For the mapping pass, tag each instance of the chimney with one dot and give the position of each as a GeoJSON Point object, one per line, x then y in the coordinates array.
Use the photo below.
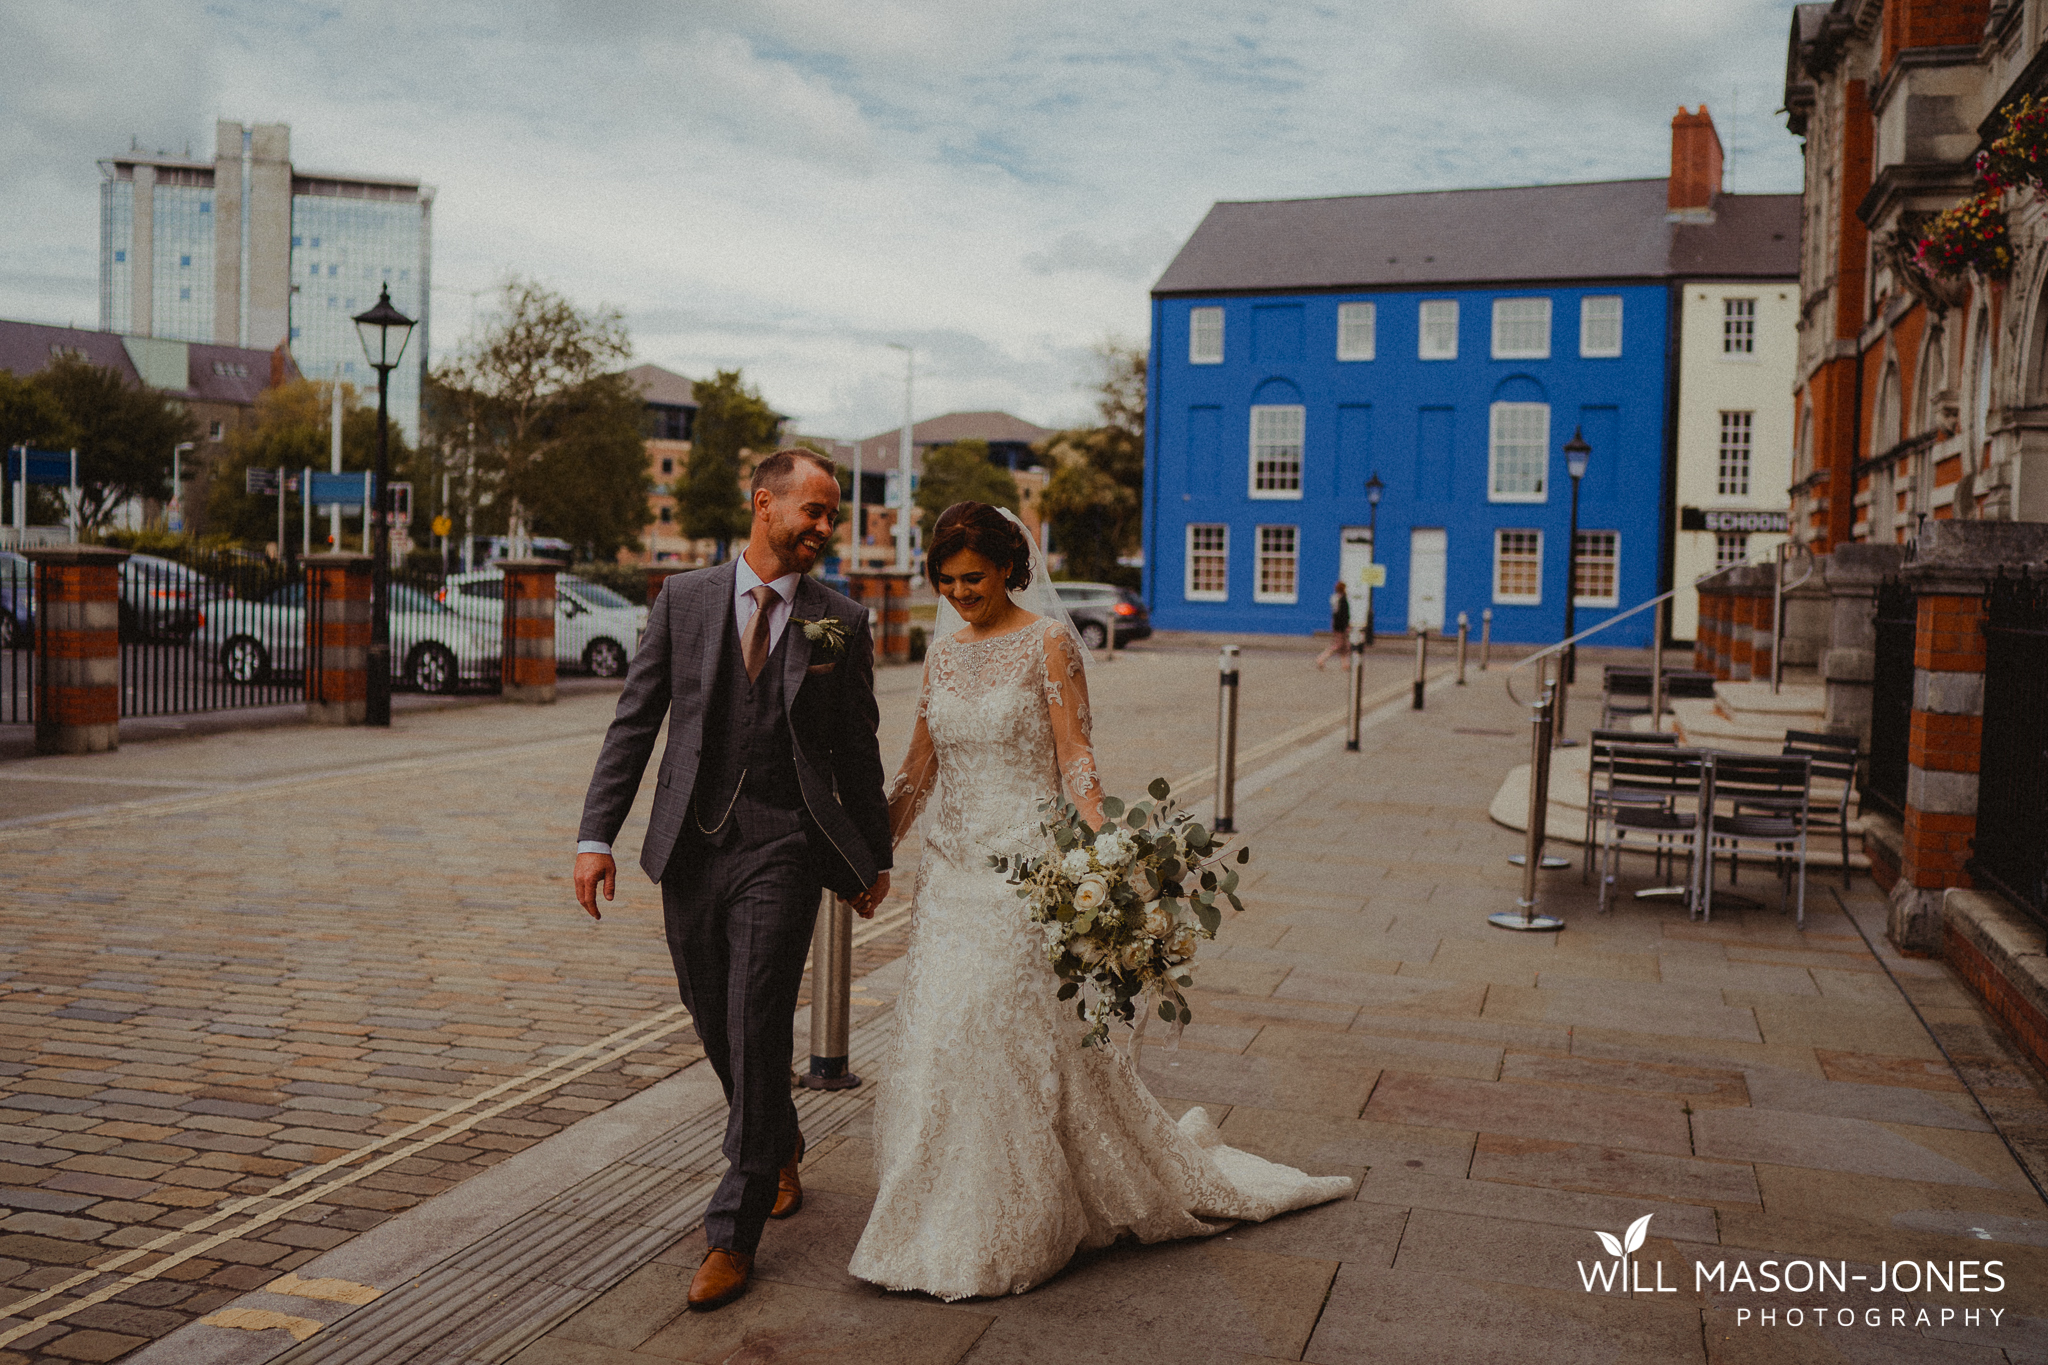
{"type": "Point", "coordinates": [1695, 166]}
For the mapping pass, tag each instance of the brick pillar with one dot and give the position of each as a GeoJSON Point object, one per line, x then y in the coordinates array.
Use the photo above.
{"type": "Point", "coordinates": [1712, 600]}
{"type": "Point", "coordinates": [1953, 560]}
{"type": "Point", "coordinates": [1742, 625]}
{"type": "Point", "coordinates": [1849, 661]}
{"type": "Point", "coordinates": [529, 619]}
{"type": "Point", "coordinates": [78, 649]}
{"type": "Point", "coordinates": [658, 574]}
{"type": "Point", "coordinates": [886, 595]}
{"type": "Point", "coordinates": [337, 638]}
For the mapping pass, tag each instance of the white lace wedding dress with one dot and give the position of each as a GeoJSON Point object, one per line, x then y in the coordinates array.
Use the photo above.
{"type": "Point", "coordinates": [1001, 1144]}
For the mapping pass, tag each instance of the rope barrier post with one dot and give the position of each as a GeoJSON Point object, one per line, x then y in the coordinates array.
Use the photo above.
{"type": "Point", "coordinates": [1523, 918]}
{"type": "Point", "coordinates": [1421, 664]}
{"type": "Point", "coordinates": [1657, 672]}
{"type": "Point", "coordinates": [1464, 637]}
{"type": "Point", "coordinates": [1355, 694]}
{"type": "Point", "coordinates": [1226, 741]}
{"type": "Point", "coordinates": [831, 997]}
{"type": "Point", "coordinates": [1485, 638]}
{"type": "Point", "coordinates": [1560, 700]}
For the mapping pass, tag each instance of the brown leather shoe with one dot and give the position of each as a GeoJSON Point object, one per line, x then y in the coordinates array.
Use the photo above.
{"type": "Point", "coordinates": [789, 1190]}
{"type": "Point", "coordinates": [721, 1279]}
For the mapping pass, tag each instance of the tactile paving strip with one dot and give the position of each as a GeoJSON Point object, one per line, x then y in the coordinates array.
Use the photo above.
{"type": "Point", "coordinates": [489, 1301]}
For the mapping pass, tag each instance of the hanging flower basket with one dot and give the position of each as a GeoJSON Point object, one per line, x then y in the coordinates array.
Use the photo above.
{"type": "Point", "coordinates": [1971, 236]}
{"type": "Point", "coordinates": [2018, 157]}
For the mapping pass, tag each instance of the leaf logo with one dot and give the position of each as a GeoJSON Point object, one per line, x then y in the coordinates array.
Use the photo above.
{"type": "Point", "coordinates": [1629, 1241]}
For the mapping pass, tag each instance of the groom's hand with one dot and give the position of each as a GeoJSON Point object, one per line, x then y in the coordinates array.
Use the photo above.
{"type": "Point", "coordinates": [593, 869]}
{"type": "Point", "coordinates": [866, 902]}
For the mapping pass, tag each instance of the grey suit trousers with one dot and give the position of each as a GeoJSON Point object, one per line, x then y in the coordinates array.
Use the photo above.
{"type": "Point", "coordinates": [739, 919]}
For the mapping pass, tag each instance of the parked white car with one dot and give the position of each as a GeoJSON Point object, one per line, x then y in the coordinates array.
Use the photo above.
{"type": "Point", "coordinates": [432, 647]}
{"type": "Point", "coordinates": [595, 629]}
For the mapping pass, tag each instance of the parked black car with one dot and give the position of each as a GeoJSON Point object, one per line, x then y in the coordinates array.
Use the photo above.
{"type": "Point", "coordinates": [1105, 613]}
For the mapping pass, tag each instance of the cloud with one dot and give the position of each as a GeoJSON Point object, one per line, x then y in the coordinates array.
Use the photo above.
{"type": "Point", "coordinates": [787, 185]}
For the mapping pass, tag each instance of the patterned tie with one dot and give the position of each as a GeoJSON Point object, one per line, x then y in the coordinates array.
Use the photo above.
{"type": "Point", "coordinates": [754, 639]}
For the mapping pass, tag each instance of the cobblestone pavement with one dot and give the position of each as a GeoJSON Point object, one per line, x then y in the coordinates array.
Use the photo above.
{"type": "Point", "coordinates": [261, 991]}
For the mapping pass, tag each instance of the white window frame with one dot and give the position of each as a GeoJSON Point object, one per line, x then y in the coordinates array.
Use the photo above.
{"type": "Point", "coordinates": [1724, 542]}
{"type": "Point", "coordinates": [1738, 330]}
{"type": "Point", "coordinates": [1505, 319]}
{"type": "Point", "coordinates": [1200, 330]}
{"type": "Point", "coordinates": [1221, 553]}
{"type": "Point", "coordinates": [1293, 557]}
{"type": "Point", "coordinates": [1436, 314]}
{"type": "Point", "coordinates": [1274, 473]}
{"type": "Point", "coordinates": [1494, 442]}
{"type": "Point", "coordinates": [1734, 461]}
{"type": "Point", "coordinates": [1614, 598]}
{"type": "Point", "coordinates": [1508, 599]}
{"type": "Point", "coordinates": [1586, 321]}
{"type": "Point", "coordinates": [1357, 331]}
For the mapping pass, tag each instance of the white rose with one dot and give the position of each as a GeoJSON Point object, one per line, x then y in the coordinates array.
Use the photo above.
{"type": "Point", "coordinates": [1157, 922]}
{"type": "Point", "coordinates": [1182, 944]}
{"type": "Point", "coordinates": [1113, 848]}
{"type": "Point", "coordinates": [1092, 892]}
{"type": "Point", "coordinates": [1075, 864]}
{"type": "Point", "coordinates": [1137, 953]}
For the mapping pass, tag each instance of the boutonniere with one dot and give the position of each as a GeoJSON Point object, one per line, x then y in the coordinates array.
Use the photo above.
{"type": "Point", "coordinates": [827, 635]}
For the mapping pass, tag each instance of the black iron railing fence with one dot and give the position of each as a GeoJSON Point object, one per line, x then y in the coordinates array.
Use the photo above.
{"type": "Point", "coordinates": [1891, 700]}
{"type": "Point", "coordinates": [2010, 852]}
{"type": "Point", "coordinates": [18, 616]}
{"type": "Point", "coordinates": [208, 632]}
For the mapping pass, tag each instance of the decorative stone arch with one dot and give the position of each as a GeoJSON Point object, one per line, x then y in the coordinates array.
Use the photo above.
{"type": "Point", "coordinates": [1519, 388]}
{"type": "Point", "coordinates": [1930, 378]}
{"type": "Point", "coordinates": [1276, 392]}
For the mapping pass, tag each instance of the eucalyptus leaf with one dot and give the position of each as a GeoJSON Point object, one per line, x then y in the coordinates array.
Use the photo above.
{"type": "Point", "coordinates": [1230, 879]}
{"type": "Point", "coordinates": [1112, 807]}
{"type": "Point", "coordinates": [1208, 881]}
{"type": "Point", "coordinates": [1211, 918]}
{"type": "Point", "coordinates": [1184, 980]}
{"type": "Point", "coordinates": [1187, 1016]}
{"type": "Point", "coordinates": [1069, 991]}
{"type": "Point", "coordinates": [1244, 854]}
{"type": "Point", "coordinates": [1197, 837]}
{"type": "Point", "coordinates": [1236, 904]}
{"type": "Point", "coordinates": [1166, 1011]}
{"type": "Point", "coordinates": [1159, 789]}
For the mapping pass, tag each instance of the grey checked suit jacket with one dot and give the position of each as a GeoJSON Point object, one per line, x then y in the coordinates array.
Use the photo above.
{"type": "Point", "coordinates": [832, 719]}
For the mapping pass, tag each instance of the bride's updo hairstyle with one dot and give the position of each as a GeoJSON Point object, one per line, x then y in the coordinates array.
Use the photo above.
{"type": "Point", "coordinates": [987, 532]}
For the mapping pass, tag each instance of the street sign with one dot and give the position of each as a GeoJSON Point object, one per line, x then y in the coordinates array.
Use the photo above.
{"type": "Point", "coordinates": [260, 482]}
{"type": "Point", "coordinates": [47, 467]}
{"type": "Point", "coordinates": [443, 525]}
{"type": "Point", "coordinates": [341, 490]}
{"type": "Point", "coordinates": [1700, 519]}
{"type": "Point", "coordinates": [400, 503]}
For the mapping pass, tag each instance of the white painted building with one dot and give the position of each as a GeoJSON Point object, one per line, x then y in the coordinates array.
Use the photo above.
{"type": "Point", "coordinates": [1737, 363]}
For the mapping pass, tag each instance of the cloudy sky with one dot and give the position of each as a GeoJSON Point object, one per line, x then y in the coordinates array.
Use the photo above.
{"type": "Point", "coordinates": [787, 186]}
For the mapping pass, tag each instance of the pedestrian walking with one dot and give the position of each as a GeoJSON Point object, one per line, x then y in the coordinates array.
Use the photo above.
{"type": "Point", "coordinates": [1340, 623]}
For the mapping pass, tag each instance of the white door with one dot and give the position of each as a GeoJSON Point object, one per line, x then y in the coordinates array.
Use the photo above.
{"type": "Point", "coordinates": [1352, 561]}
{"type": "Point", "coordinates": [1426, 556]}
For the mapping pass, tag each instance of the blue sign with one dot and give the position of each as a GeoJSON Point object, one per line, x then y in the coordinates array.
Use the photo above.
{"type": "Point", "coordinates": [44, 466]}
{"type": "Point", "coordinates": [341, 490]}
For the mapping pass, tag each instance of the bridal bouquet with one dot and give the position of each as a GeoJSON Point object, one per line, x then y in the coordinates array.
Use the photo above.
{"type": "Point", "coordinates": [1124, 905]}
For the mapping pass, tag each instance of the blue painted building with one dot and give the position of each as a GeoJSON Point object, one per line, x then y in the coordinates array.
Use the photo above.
{"type": "Point", "coordinates": [1450, 343]}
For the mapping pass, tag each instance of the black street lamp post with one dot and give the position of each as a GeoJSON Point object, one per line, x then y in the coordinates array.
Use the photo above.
{"type": "Point", "coordinates": [384, 331]}
{"type": "Point", "coordinates": [1373, 489]}
{"type": "Point", "coordinates": [1575, 452]}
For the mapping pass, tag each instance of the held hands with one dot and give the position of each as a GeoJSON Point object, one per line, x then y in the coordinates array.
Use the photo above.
{"type": "Point", "coordinates": [593, 870]}
{"type": "Point", "coordinates": [865, 903]}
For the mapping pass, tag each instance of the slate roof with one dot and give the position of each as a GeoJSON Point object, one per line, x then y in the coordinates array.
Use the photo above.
{"type": "Point", "coordinates": [1607, 230]}
{"type": "Point", "coordinates": [964, 426]}
{"type": "Point", "coordinates": [665, 387]}
{"type": "Point", "coordinates": [215, 374]}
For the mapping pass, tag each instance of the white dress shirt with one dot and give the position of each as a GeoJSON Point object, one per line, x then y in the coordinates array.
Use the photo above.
{"type": "Point", "coordinates": [743, 584]}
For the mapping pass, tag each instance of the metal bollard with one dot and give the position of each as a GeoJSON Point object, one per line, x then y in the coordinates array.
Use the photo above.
{"type": "Point", "coordinates": [1464, 637]}
{"type": "Point", "coordinates": [831, 987]}
{"type": "Point", "coordinates": [1421, 664]}
{"type": "Point", "coordinates": [1355, 700]}
{"type": "Point", "coordinates": [1485, 639]}
{"type": "Point", "coordinates": [1226, 742]}
{"type": "Point", "coordinates": [1524, 917]}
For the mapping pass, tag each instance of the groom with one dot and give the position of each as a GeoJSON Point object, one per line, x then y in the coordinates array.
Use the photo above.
{"type": "Point", "coordinates": [770, 787]}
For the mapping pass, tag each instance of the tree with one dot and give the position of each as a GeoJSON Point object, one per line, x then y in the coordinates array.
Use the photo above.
{"type": "Point", "coordinates": [961, 472]}
{"type": "Point", "coordinates": [124, 437]}
{"type": "Point", "coordinates": [29, 416]}
{"type": "Point", "coordinates": [292, 428]}
{"type": "Point", "coordinates": [1094, 499]}
{"type": "Point", "coordinates": [732, 421]}
{"type": "Point", "coordinates": [555, 427]}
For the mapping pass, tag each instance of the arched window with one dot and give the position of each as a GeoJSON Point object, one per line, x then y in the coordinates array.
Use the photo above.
{"type": "Point", "coordinates": [1884, 421]}
{"type": "Point", "coordinates": [1927, 388]}
{"type": "Point", "coordinates": [1980, 382]}
{"type": "Point", "coordinates": [1802, 454]}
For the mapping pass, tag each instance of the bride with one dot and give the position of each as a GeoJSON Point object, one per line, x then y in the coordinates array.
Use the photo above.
{"type": "Point", "coordinates": [1001, 1144]}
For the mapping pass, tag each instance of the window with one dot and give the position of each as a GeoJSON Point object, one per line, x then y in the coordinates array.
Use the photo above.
{"type": "Point", "coordinates": [668, 465]}
{"type": "Point", "coordinates": [1276, 451]}
{"type": "Point", "coordinates": [1277, 564]}
{"type": "Point", "coordinates": [1439, 334]}
{"type": "Point", "coordinates": [1208, 577]}
{"type": "Point", "coordinates": [185, 262]}
{"type": "Point", "coordinates": [1731, 478]}
{"type": "Point", "coordinates": [120, 256]}
{"type": "Point", "coordinates": [213, 431]}
{"type": "Point", "coordinates": [1205, 336]}
{"type": "Point", "coordinates": [1730, 548]}
{"type": "Point", "coordinates": [1738, 326]}
{"type": "Point", "coordinates": [1521, 329]}
{"type": "Point", "coordinates": [1518, 567]}
{"type": "Point", "coordinates": [1520, 446]}
{"type": "Point", "coordinates": [1596, 581]}
{"type": "Point", "coordinates": [1600, 325]}
{"type": "Point", "coordinates": [667, 515]}
{"type": "Point", "coordinates": [1355, 331]}
{"type": "Point", "coordinates": [185, 295]}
